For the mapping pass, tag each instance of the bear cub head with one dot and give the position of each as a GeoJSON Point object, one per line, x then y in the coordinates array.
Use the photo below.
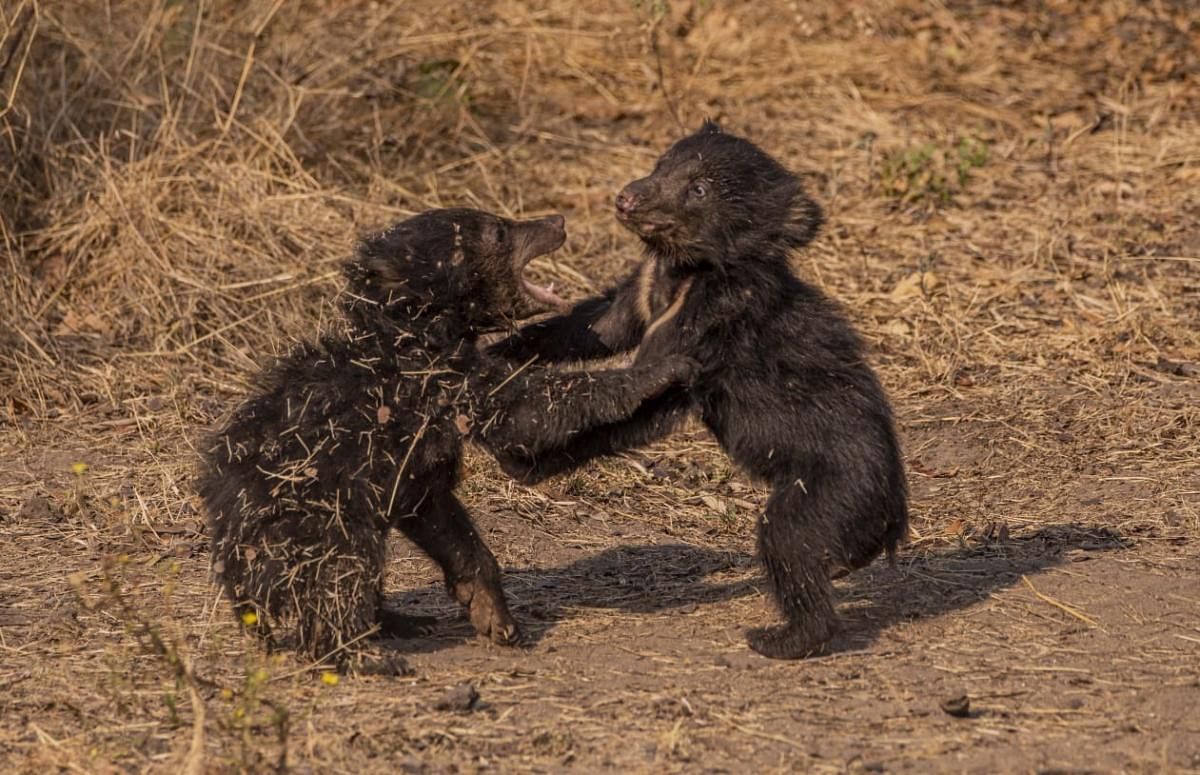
{"type": "Point", "coordinates": [458, 264]}
{"type": "Point", "coordinates": [714, 197]}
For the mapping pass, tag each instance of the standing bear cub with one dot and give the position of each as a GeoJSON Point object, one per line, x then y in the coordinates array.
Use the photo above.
{"type": "Point", "coordinates": [782, 385]}
{"type": "Point", "coordinates": [362, 432]}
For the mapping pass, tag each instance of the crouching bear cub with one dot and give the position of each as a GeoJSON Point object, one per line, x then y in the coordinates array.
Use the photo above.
{"type": "Point", "coordinates": [362, 432]}
{"type": "Point", "coordinates": [783, 384]}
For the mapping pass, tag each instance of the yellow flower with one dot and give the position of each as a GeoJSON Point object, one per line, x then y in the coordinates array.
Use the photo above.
{"type": "Point", "coordinates": [329, 679]}
{"type": "Point", "coordinates": [79, 468]}
{"type": "Point", "coordinates": [249, 618]}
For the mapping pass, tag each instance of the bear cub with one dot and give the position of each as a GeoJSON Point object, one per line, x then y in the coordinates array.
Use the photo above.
{"type": "Point", "coordinates": [362, 432]}
{"type": "Point", "coordinates": [783, 383]}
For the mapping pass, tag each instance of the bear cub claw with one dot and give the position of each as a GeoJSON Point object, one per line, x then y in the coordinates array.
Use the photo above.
{"type": "Point", "coordinates": [681, 369]}
{"type": "Point", "coordinates": [488, 612]}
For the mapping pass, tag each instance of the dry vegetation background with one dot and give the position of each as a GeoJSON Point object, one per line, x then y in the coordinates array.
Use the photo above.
{"type": "Point", "coordinates": [1014, 224]}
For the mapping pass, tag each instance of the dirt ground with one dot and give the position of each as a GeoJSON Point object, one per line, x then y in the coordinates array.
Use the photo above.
{"type": "Point", "coordinates": [1013, 200]}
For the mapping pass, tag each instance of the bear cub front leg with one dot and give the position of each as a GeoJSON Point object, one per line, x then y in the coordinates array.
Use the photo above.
{"type": "Point", "coordinates": [544, 412]}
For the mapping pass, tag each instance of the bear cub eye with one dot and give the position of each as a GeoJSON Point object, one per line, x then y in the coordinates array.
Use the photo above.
{"type": "Point", "coordinates": [699, 190]}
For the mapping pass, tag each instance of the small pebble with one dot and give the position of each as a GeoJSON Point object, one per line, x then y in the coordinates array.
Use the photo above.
{"type": "Point", "coordinates": [958, 706]}
{"type": "Point", "coordinates": [461, 698]}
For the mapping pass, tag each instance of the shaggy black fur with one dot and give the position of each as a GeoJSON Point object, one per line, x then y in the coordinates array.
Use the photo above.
{"type": "Point", "coordinates": [783, 384]}
{"type": "Point", "coordinates": [363, 432]}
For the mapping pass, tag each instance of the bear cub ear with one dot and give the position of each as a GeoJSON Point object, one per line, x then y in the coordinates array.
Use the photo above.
{"type": "Point", "coordinates": [709, 127]}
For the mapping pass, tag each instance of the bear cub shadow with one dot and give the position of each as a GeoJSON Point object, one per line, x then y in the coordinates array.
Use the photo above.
{"type": "Point", "coordinates": [652, 578]}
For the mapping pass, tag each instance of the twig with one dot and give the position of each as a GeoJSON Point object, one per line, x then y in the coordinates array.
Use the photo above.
{"type": "Point", "coordinates": [756, 733]}
{"type": "Point", "coordinates": [662, 82]}
{"type": "Point", "coordinates": [194, 764]}
{"type": "Point", "coordinates": [21, 27]}
{"type": "Point", "coordinates": [241, 85]}
{"type": "Point", "coordinates": [1061, 606]}
{"type": "Point", "coordinates": [512, 376]}
{"type": "Point", "coordinates": [404, 464]}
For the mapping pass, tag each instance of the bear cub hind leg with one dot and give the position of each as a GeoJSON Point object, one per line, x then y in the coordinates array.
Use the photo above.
{"type": "Point", "coordinates": [444, 531]}
{"type": "Point", "coordinates": [791, 547]}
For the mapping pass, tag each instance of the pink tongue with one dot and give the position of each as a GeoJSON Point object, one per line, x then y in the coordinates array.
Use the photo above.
{"type": "Point", "coordinates": [543, 295]}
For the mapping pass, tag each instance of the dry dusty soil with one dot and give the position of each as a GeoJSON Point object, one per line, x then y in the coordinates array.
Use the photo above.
{"type": "Point", "coordinates": [1013, 225]}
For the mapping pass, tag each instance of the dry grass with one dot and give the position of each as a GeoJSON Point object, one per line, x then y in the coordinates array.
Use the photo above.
{"type": "Point", "coordinates": [179, 181]}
